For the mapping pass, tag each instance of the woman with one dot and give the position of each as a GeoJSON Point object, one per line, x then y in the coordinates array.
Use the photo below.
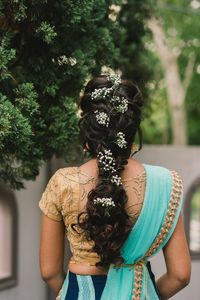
{"type": "Point", "coordinates": [116, 212]}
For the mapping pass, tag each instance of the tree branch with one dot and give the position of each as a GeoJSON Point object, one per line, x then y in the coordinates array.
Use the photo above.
{"type": "Point", "coordinates": [174, 85]}
{"type": "Point", "coordinates": [189, 71]}
{"type": "Point", "coordinates": [159, 37]}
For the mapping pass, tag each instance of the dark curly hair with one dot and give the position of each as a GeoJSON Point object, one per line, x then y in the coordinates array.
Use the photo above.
{"type": "Point", "coordinates": [108, 231]}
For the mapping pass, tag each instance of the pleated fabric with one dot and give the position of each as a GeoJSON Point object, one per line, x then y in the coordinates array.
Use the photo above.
{"type": "Point", "coordinates": [90, 287]}
{"type": "Point", "coordinates": [83, 287]}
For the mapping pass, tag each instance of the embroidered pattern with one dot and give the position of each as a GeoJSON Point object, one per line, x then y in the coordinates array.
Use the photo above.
{"type": "Point", "coordinates": [67, 192]}
{"type": "Point", "coordinates": [167, 225]}
{"type": "Point", "coordinates": [138, 275]}
{"type": "Point", "coordinates": [171, 213]}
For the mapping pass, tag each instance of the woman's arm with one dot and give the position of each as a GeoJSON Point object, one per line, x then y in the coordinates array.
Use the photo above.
{"type": "Point", "coordinates": [52, 252]}
{"type": "Point", "coordinates": [177, 259]}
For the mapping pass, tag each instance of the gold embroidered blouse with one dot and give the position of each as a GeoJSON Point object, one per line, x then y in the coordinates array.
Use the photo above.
{"type": "Point", "coordinates": [61, 200]}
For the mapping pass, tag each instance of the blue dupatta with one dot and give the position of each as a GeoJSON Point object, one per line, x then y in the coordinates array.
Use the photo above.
{"type": "Point", "coordinates": [154, 227]}
{"type": "Point", "coordinates": [152, 230]}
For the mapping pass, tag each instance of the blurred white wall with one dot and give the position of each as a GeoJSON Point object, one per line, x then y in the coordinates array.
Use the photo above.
{"type": "Point", "coordinates": [30, 286]}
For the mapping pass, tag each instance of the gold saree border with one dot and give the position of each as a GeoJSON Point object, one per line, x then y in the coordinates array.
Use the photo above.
{"type": "Point", "coordinates": [175, 198]}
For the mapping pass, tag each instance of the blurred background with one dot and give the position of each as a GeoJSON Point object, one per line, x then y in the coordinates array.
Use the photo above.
{"type": "Point", "coordinates": [48, 50]}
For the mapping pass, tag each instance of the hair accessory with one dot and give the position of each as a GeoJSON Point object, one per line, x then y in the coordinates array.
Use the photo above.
{"type": "Point", "coordinates": [115, 79]}
{"type": "Point", "coordinates": [102, 118]}
{"type": "Point", "coordinates": [121, 142]}
{"type": "Point", "coordinates": [101, 93]}
{"type": "Point", "coordinates": [120, 104]}
{"type": "Point", "coordinates": [105, 201]}
{"type": "Point", "coordinates": [116, 180]}
{"type": "Point", "coordinates": [106, 92]}
{"type": "Point", "coordinates": [107, 160]}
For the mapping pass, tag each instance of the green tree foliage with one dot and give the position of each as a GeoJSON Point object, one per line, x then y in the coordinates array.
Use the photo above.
{"type": "Point", "coordinates": [132, 60]}
{"type": "Point", "coordinates": [180, 20]}
{"type": "Point", "coordinates": [47, 51]}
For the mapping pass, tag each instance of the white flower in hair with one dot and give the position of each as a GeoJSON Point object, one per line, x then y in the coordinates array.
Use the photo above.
{"type": "Point", "coordinates": [102, 118]}
{"type": "Point", "coordinates": [106, 160]}
{"type": "Point", "coordinates": [121, 142]}
{"type": "Point", "coordinates": [120, 104]}
{"type": "Point", "coordinates": [115, 79]}
{"type": "Point", "coordinates": [101, 93]}
{"type": "Point", "coordinates": [116, 180]}
{"type": "Point", "coordinates": [106, 201]}
{"type": "Point", "coordinates": [123, 106]}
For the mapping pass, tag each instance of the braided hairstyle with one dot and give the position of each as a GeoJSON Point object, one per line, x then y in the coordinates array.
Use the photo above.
{"type": "Point", "coordinates": [108, 125]}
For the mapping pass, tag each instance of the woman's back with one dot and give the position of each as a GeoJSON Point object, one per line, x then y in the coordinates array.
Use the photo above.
{"type": "Point", "coordinates": [133, 179]}
{"type": "Point", "coordinates": [71, 186]}
{"type": "Point", "coordinates": [117, 212]}
{"type": "Point", "coordinates": [75, 184]}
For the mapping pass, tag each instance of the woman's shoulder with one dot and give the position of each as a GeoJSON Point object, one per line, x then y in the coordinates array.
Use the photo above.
{"type": "Point", "coordinates": [159, 169]}
{"type": "Point", "coordinates": [162, 172]}
{"type": "Point", "coordinates": [63, 177]}
{"type": "Point", "coordinates": [67, 171]}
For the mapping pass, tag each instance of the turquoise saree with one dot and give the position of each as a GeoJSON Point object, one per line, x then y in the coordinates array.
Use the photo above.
{"type": "Point", "coordinates": [154, 227]}
{"type": "Point", "coordinates": [152, 230]}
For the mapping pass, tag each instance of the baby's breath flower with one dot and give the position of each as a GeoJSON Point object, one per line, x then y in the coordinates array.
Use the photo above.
{"type": "Point", "coordinates": [101, 93]}
{"type": "Point", "coordinates": [105, 201]}
{"type": "Point", "coordinates": [102, 118]}
{"type": "Point", "coordinates": [120, 104]}
{"type": "Point", "coordinates": [121, 142]}
{"type": "Point", "coordinates": [115, 79]}
{"type": "Point", "coordinates": [106, 160]}
{"type": "Point", "coordinates": [116, 180]}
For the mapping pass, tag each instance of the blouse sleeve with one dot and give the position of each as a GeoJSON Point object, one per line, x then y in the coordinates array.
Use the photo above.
{"type": "Point", "coordinates": [50, 202]}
